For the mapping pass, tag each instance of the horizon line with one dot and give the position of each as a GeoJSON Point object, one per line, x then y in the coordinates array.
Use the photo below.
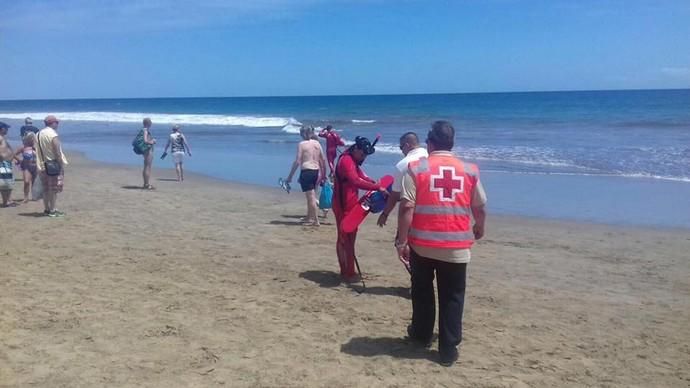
{"type": "Point", "coordinates": [348, 95]}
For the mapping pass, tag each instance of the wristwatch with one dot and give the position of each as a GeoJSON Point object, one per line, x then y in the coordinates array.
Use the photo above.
{"type": "Point", "coordinates": [399, 245]}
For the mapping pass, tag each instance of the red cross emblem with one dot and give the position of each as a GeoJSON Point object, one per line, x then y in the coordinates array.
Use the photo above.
{"type": "Point", "coordinates": [447, 184]}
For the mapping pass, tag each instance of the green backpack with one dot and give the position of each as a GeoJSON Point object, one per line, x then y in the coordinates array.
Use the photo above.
{"type": "Point", "coordinates": [139, 146]}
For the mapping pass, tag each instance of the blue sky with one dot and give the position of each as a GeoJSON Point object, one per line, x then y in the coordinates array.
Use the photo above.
{"type": "Point", "coordinates": [82, 48]}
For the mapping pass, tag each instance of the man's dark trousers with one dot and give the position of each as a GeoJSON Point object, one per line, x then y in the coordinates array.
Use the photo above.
{"type": "Point", "coordinates": [451, 300]}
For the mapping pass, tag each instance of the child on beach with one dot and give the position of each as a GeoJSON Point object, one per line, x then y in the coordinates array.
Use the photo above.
{"type": "Point", "coordinates": [333, 141]}
{"type": "Point", "coordinates": [26, 155]}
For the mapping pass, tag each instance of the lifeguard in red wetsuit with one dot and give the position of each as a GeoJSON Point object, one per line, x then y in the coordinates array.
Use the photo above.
{"type": "Point", "coordinates": [333, 141]}
{"type": "Point", "coordinates": [349, 179]}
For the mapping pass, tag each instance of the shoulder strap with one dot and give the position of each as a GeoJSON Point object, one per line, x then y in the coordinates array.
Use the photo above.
{"type": "Point", "coordinates": [38, 140]}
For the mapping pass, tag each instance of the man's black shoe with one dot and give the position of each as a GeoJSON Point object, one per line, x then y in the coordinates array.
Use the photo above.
{"type": "Point", "coordinates": [419, 341]}
{"type": "Point", "coordinates": [449, 359]}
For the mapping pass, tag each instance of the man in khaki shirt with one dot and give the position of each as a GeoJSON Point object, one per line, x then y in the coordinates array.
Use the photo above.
{"type": "Point", "coordinates": [50, 148]}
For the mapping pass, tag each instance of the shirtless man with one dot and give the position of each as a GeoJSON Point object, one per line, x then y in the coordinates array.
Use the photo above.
{"type": "Point", "coordinates": [313, 171]}
{"type": "Point", "coordinates": [6, 156]}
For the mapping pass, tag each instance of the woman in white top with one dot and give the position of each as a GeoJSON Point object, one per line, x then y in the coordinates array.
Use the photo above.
{"type": "Point", "coordinates": [178, 146]}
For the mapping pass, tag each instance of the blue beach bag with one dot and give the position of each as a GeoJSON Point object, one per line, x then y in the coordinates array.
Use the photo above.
{"type": "Point", "coordinates": [326, 197]}
{"type": "Point", "coordinates": [377, 202]}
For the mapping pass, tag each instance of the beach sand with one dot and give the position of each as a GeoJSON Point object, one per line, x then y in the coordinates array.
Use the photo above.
{"type": "Point", "coordinates": [209, 283]}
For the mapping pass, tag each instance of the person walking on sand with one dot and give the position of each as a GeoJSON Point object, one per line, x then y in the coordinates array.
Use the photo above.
{"type": "Point", "coordinates": [178, 146]}
{"type": "Point", "coordinates": [441, 195]}
{"type": "Point", "coordinates": [349, 179]}
{"type": "Point", "coordinates": [333, 141]}
{"type": "Point", "coordinates": [27, 127]}
{"type": "Point", "coordinates": [50, 162]}
{"type": "Point", "coordinates": [149, 141]}
{"type": "Point", "coordinates": [26, 155]}
{"type": "Point", "coordinates": [312, 171]}
{"type": "Point", "coordinates": [6, 175]}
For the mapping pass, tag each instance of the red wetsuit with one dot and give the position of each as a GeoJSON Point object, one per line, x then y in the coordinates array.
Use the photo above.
{"type": "Point", "coordinates": [349, 180]}
{"type": "Point", "coordinates": [333, 141]}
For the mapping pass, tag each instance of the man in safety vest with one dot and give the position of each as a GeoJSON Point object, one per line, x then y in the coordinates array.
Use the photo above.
{"type": "Point", "coordinates": [441, 196]}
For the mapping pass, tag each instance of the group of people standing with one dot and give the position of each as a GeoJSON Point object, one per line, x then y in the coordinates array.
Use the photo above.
{"type": "Point", "coordinates": [144, 142]}
{"type": "Point", "coordinates": [39, 156]}
{"type": "Point", "coordinates": [441, 206]}
{"type": "Point", "coordinates": [441, 213]}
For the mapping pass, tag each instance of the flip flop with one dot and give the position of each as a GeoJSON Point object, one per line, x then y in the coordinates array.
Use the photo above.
{"type": "Point", "coordinates": [285, 185]}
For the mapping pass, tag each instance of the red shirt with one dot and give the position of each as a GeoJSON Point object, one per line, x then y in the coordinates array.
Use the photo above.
{"type": "Point", "coordinates": [349, 180]}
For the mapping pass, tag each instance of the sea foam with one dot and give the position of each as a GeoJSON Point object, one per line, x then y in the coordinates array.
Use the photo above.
{"type": "Point", "coordinates": [287, 123]}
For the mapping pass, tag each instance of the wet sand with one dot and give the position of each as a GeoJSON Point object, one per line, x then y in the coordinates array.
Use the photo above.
{"type": "Point", "coordinates": [210, 283]}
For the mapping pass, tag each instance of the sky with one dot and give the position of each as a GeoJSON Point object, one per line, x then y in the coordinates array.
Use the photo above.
{"type": "Point", "coordinates": [205, 48]}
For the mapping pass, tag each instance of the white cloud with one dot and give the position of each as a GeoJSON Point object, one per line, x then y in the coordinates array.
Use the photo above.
{"type": "Point", "coordinates": [677, 72]}
{"type": "Point", "coordinates": [150, 15]}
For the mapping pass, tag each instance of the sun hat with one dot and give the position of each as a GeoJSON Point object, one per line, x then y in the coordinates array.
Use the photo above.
{"type": "Point", "coordinates": [4, 125]}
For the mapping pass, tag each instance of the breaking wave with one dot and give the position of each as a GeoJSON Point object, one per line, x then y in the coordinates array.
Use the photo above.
{"type": "Point", "coordinates": [287, 123]}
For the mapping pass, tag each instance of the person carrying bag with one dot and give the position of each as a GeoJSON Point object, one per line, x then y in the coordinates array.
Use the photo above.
{"type": "Point", "coordinates": [50, 161]}
{"type": "Point", "coordinates": [51, 167]}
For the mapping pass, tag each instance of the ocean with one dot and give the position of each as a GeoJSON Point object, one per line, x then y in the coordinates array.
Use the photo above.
{"type": "Point", "coordinates": [616, 157]}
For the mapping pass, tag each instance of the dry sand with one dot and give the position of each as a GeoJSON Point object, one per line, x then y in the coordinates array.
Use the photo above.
{"type": "Point", "coordinates": [208, 283]}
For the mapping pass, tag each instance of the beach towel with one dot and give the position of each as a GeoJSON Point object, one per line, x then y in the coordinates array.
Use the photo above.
{"type": "Point", "coordinates": [6, 176]}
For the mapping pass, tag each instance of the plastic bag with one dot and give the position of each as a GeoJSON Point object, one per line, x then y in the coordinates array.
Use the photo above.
{"type": "Point", "coordinates": [326, 197]}
{"type": "Point", "coordinates": [37, 189]}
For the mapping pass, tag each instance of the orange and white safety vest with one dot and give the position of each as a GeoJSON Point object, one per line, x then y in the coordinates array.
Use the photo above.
{"type": "Point", "coordinates": [442, 213]}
